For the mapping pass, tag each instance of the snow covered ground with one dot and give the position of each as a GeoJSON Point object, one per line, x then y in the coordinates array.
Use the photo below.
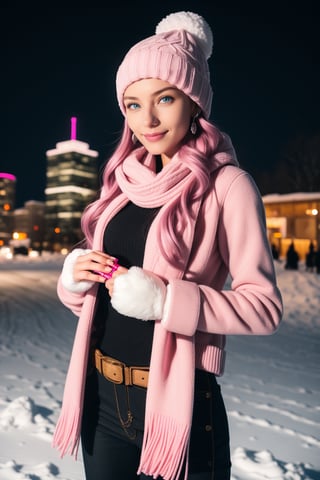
{"type": "Point", "coordinates": [271, 385]}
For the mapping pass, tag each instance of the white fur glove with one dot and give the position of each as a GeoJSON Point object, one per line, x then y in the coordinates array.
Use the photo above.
{"type": "Point", "coordinates": [67, 278]}
{"type": "Point", "coordinates": [139, 294]}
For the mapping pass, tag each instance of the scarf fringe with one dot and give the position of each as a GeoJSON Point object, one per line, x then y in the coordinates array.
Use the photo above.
{"type": "Point", "coordinates": [165, 447]}
{"type": "Point", "coordinates": [66, 437]}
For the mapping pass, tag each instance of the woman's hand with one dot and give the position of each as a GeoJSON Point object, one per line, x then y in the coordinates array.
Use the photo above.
{"type": "Point", "coordinates": [94, 266]}
{"type": "Point", "coordinates": [97, 267]}
{"type": "Point", "coordinates": [109, 283]}
{"type": "Point", "coordinates": [83, 268]}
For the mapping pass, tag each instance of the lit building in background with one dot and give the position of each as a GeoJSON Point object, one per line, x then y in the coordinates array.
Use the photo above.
{"type": "Point", "coordinates": [293, 217]}
{"type": "Point", "coordinates": [29, 224]}
{"type": "Point", "coordinates": [7, 201]}
{"type": "Point", "coordinates": [72, 183]}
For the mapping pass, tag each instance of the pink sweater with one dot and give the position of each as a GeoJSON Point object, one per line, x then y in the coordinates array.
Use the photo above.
{"type": "Point", "coordinates": [228, 236]}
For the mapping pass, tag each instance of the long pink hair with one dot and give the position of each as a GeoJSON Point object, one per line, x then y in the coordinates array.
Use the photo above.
{"type": "Point", "coordinates": [197, 153]}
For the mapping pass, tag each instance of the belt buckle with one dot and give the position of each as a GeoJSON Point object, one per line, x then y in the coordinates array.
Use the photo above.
{"type": "Point", "coordinates": [118, 370]}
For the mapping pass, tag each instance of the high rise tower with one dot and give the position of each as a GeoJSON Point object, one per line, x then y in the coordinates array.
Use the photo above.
{"type": "Point", "coordinates": [72, 183]}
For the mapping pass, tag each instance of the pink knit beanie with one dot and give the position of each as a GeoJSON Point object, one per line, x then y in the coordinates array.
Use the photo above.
{"type": "Point", "coordinates": [178, 54]}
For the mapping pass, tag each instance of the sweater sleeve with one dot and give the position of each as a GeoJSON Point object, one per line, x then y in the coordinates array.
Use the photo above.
{"type": "Point", "coordinates": [72, 293]}
{"type": "Point", "coordinates": [71, 300]}
{"type": "Point", "coordinates": [253, 304]}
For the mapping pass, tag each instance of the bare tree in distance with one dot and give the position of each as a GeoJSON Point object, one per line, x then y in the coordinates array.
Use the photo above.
{"type": "Point", "coordinates": [298, 169]}
{"type": "Point", "coordinates": [302, 163]}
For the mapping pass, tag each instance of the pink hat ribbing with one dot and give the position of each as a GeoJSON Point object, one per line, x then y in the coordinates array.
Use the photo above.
{"type": "Point", "coordinates": [177, 53]}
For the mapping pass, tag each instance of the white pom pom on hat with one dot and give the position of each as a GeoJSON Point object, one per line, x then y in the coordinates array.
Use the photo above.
{"type": "Point", "coordinates": [177, 53]}
{"type": "Point", "coordinates": [192, 23]}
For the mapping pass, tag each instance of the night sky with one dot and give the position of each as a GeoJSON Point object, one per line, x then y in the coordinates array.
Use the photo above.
{"type": "Point", "coordinates": [61, 62]}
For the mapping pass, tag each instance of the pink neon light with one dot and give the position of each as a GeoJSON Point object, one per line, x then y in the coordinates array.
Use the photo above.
{"type": "Point", "coordinates": [73, 128]}
{"type": "Point", "coordinates": [9, 176]}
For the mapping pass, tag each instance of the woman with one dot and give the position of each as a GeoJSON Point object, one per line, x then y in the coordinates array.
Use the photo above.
{"type": "Point", "coordinates": [176, 215]}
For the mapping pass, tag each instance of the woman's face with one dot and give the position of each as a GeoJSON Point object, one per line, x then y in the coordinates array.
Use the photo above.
{"type": "Point", "coordinates": [159, 115]}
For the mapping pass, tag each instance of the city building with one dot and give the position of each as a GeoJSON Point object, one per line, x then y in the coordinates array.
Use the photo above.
{"type": "Point", "coordinates": [7, 202]}
{"type": "Point", "coordinates": [293, 217]}
{"type": "Point", "coordinates": [72, 183]}
{"type": "Point", "coordinates": [28, 227]}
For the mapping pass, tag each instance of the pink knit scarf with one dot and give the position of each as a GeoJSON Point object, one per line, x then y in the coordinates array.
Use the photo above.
{"type": "Point", "coordinates": [169, 402]}
{"type": "Point", "coordinates": [148, 189]}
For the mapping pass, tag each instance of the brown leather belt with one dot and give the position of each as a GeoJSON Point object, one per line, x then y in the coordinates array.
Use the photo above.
{"type": "Point", "coordinates": [118, 372]}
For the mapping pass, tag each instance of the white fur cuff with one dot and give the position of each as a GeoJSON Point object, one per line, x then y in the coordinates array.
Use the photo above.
{"type": "Point", "coordinates": [67, 279]}
{"type": "Point", "coordinates": [139, 294]}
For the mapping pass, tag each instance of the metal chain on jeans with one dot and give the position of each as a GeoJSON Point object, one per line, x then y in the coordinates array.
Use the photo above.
{"type": "Point", "coordinates": [125, 424]}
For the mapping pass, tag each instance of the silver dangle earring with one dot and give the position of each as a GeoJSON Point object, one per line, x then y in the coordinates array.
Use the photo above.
{"type": "Point", "coordinates": [134, 138]}
{"type": "Point", "coordinates": [194, 126]}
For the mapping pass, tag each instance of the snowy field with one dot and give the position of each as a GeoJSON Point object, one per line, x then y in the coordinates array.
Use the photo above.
{"type": "Point", "coordinates": [271, 385]}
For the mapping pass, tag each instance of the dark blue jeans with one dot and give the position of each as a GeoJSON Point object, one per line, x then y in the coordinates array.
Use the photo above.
{"type": "Point", "coordinates": [112, 453]}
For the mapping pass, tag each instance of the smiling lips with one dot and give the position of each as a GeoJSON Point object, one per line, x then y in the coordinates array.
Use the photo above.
{"type": "Point", "coordinates": [154, 137]}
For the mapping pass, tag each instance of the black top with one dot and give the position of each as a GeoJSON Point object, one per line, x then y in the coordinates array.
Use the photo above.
{"type": "Point", "coordinates": [125, 338]}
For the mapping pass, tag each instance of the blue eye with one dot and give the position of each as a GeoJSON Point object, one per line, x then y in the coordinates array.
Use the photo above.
{"type": "Point", "coordinates": [132, 106]}
{"type": "Point", "coordinates": [166, 99]}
